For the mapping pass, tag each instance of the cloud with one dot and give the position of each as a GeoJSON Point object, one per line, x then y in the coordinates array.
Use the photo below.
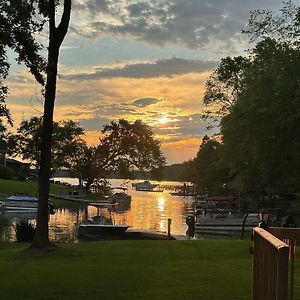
{"type": "Point", "coordinates": [93, 6]}
{"type": "Point", "coordinates": [93, 103]}
{"type": "Point", "coordinates": [181, 150]}
{"type": "Point", "coordinates": [95, 124]}
{"type": "Point", "coordinates": [144, 102]}
{"type": "Point", "coordinates": [162, 67]}
{"type": "Point", "coordinates": [18, 77]}
{"type": "Point", "coordinates": [145, 98]}
{"type": "Point", "coordinates": [182, 126]}
{"type": "Point", "coordinates": [192, 23]}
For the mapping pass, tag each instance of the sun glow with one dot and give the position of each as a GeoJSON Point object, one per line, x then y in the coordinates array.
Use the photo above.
{"type": "Point", "coordinates": [163, 120]}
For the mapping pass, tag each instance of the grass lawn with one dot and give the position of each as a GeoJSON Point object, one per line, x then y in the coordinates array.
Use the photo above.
{"type": "Point", "coordinates": [117, 270]}
{"type": "Point", "coordinates": [9, 187]}
{"type": "Point", "coordinates": [210, 269]}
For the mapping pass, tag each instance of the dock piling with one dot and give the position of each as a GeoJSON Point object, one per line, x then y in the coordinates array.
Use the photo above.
{"type": "Point", "coordinates": [169, 228]}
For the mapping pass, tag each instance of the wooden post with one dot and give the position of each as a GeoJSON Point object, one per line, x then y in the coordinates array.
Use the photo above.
{"type": "Point", "coordinates": [291, 235]}
{"type": "Point", "coordinates": [169, 228]}
{"type": "Point", "coordinates": [292, 258]}
{"type": "Point", "coordinates": [270, 267]}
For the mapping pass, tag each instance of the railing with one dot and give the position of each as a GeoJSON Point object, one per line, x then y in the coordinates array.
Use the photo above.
{"type": "Point", "coordinates": [289, 236]}
{"type": "Point", "coordinates": [270, 267]}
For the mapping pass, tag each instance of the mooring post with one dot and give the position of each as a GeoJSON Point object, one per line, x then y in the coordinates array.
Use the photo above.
{"type": "Point", "coordinates": [169, 228]}
{"type": "Point", "coordinates": [292, 258]}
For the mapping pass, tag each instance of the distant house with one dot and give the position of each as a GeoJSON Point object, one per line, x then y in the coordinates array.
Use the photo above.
{"type": "Point", "coordinates": [16, 166]}
{"type": "Point", "coordinates": [3, 151]}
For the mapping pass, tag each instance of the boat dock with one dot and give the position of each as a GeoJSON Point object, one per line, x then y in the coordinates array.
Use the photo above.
{"type": "Point", "coordinates": [138, 234]}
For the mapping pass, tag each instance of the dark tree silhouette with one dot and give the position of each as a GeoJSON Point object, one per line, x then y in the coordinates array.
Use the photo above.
{"type": "Point", "coordinates": [67, 143]}
{"type": "Point", "coordinates": [56, 37]}
{"type": "Point", "coordinates": [17, 30]}
{"type": "Point", "coordinates": [124, 148]}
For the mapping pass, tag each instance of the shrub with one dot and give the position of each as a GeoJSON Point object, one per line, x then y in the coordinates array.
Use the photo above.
{"type": "Point", "coordinates": [24, 231]}
{"type": "Point", "coordinates": [21, 176]}
{"type": "Point", "coordinates": [5, 172]}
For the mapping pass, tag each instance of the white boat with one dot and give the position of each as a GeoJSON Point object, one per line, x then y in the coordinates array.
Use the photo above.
{"type": "Point", "coordinates": [22, 203]}
{"type": "Point", "coordinates": [224, 223]}
{"type": "Point", "coordinates": [100, 227]}
{"type": "Point", "coordinates": [145, 186]}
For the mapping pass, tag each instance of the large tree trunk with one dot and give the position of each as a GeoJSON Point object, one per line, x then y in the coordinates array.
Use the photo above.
{"type": "Point", "coordinates": [56, 36]}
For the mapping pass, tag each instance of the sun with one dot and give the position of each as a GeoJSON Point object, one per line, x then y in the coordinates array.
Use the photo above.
{"type": "Point", "coordinates": [163, 120]}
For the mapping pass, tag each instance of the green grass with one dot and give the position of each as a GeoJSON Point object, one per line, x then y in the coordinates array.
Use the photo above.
{"type": "Point", "coordinates": [211, 269]}
{"type": "Point", "coordinates": [10, 187]}
{"type": "Point", "coordinates": [208, 269]}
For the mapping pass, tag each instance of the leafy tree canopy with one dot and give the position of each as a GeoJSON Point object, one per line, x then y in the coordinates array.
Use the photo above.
{"type": "Point", "coordinates": [125, 147]}
{"type": "Point", "coordinates": [282, 26]}
{"type": "Point", "coordinates": [224, 85]}
{"type": "Point", "coordinates": [18, 25]}
{"type": "Point", "coordinates": [19, 22]}
{"type": "Point", "coordinates": [67, 143]}
{"type": "Point", "coordinates": [263, 128]}
{"type": "Point", "coordinates": [211, 174]}
{"type": "Point", "coordinates": [258, 101]}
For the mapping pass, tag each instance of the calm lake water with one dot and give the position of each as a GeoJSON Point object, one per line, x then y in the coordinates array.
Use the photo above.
{"type": "Point", "coordinates": [147, 210]}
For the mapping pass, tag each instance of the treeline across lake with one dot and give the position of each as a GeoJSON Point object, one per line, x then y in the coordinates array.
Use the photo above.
{"type": "Point", "coordinates": [175, 172]}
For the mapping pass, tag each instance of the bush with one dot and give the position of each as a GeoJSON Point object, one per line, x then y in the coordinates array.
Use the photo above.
{"type": "Point", "coordinates": [5, 172]}
{"type": "Point", "coordinates": [21, 176]}
{"type": "Point", "coordinates": [24, 231]}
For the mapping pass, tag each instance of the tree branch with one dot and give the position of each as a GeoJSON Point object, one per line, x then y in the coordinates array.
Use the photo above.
{"type": "Point", "coordinates": [62, 28]}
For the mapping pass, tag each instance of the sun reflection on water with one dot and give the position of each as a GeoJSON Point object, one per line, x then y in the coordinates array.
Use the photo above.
{"type": "Point", "coordinates": [146, 210]}
{"type": "Point", "coordinates": [161, 202]}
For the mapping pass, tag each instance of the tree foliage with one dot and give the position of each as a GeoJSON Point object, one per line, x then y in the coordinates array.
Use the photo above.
{"type": "Point", "coordinates": [224, 85]}
{"type": "Point", "coordinates": [18, 26]}
{"type": "Point", "coordinates": [259, 97]}
{"type": "Point", "coordinates": [125, 147]}
{"type": "Point", "coordinates": [57, 33]}
{"type": "Point", "coordinates": [282, 26]}
{"type": "Point", "coordinates": [212, 175]}
{"type": "Point", "coordinates": [67, 142]}
{"type": "Point", "coordinates": [263, 129]}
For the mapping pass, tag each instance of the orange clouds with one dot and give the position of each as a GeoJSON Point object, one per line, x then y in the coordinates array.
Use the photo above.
{"type": "Point", "coordinates": [182, 150]}
{"type": "Point", "coordinates": [95, 102]}
{"type": "Point", "coordinates": [182, 92]}
{"type": "Point", "coordinates": [92, 137]}
{"type": "Point", "coordinates": [184, 143]}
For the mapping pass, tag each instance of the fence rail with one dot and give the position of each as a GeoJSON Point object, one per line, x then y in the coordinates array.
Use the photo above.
{"type": "Point", "coordinates": [289, 236]}
{"type": "Point", "coordinates": [270, 267]}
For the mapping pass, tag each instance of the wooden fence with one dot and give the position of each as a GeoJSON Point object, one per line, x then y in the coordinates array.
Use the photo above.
{"type": "Point", "coordinates": [270, 267]}
{"type": "Point", "coordinates": [272, 250]}
{"type": "Point", "coordinates": [289, 236]}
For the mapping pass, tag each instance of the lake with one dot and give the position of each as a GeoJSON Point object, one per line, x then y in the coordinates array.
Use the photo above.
{"type": "Point", "coordinates": [147, 210]}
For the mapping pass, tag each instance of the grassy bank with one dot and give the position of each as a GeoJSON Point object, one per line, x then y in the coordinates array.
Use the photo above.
{"type": "Point", "coordinates": [129, 270]}
{"type": "Point", "coordinates": [10, 187]}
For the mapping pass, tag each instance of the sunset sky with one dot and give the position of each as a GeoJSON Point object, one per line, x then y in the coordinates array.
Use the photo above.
{"type": "Point", "coordinates": [140, 59]}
